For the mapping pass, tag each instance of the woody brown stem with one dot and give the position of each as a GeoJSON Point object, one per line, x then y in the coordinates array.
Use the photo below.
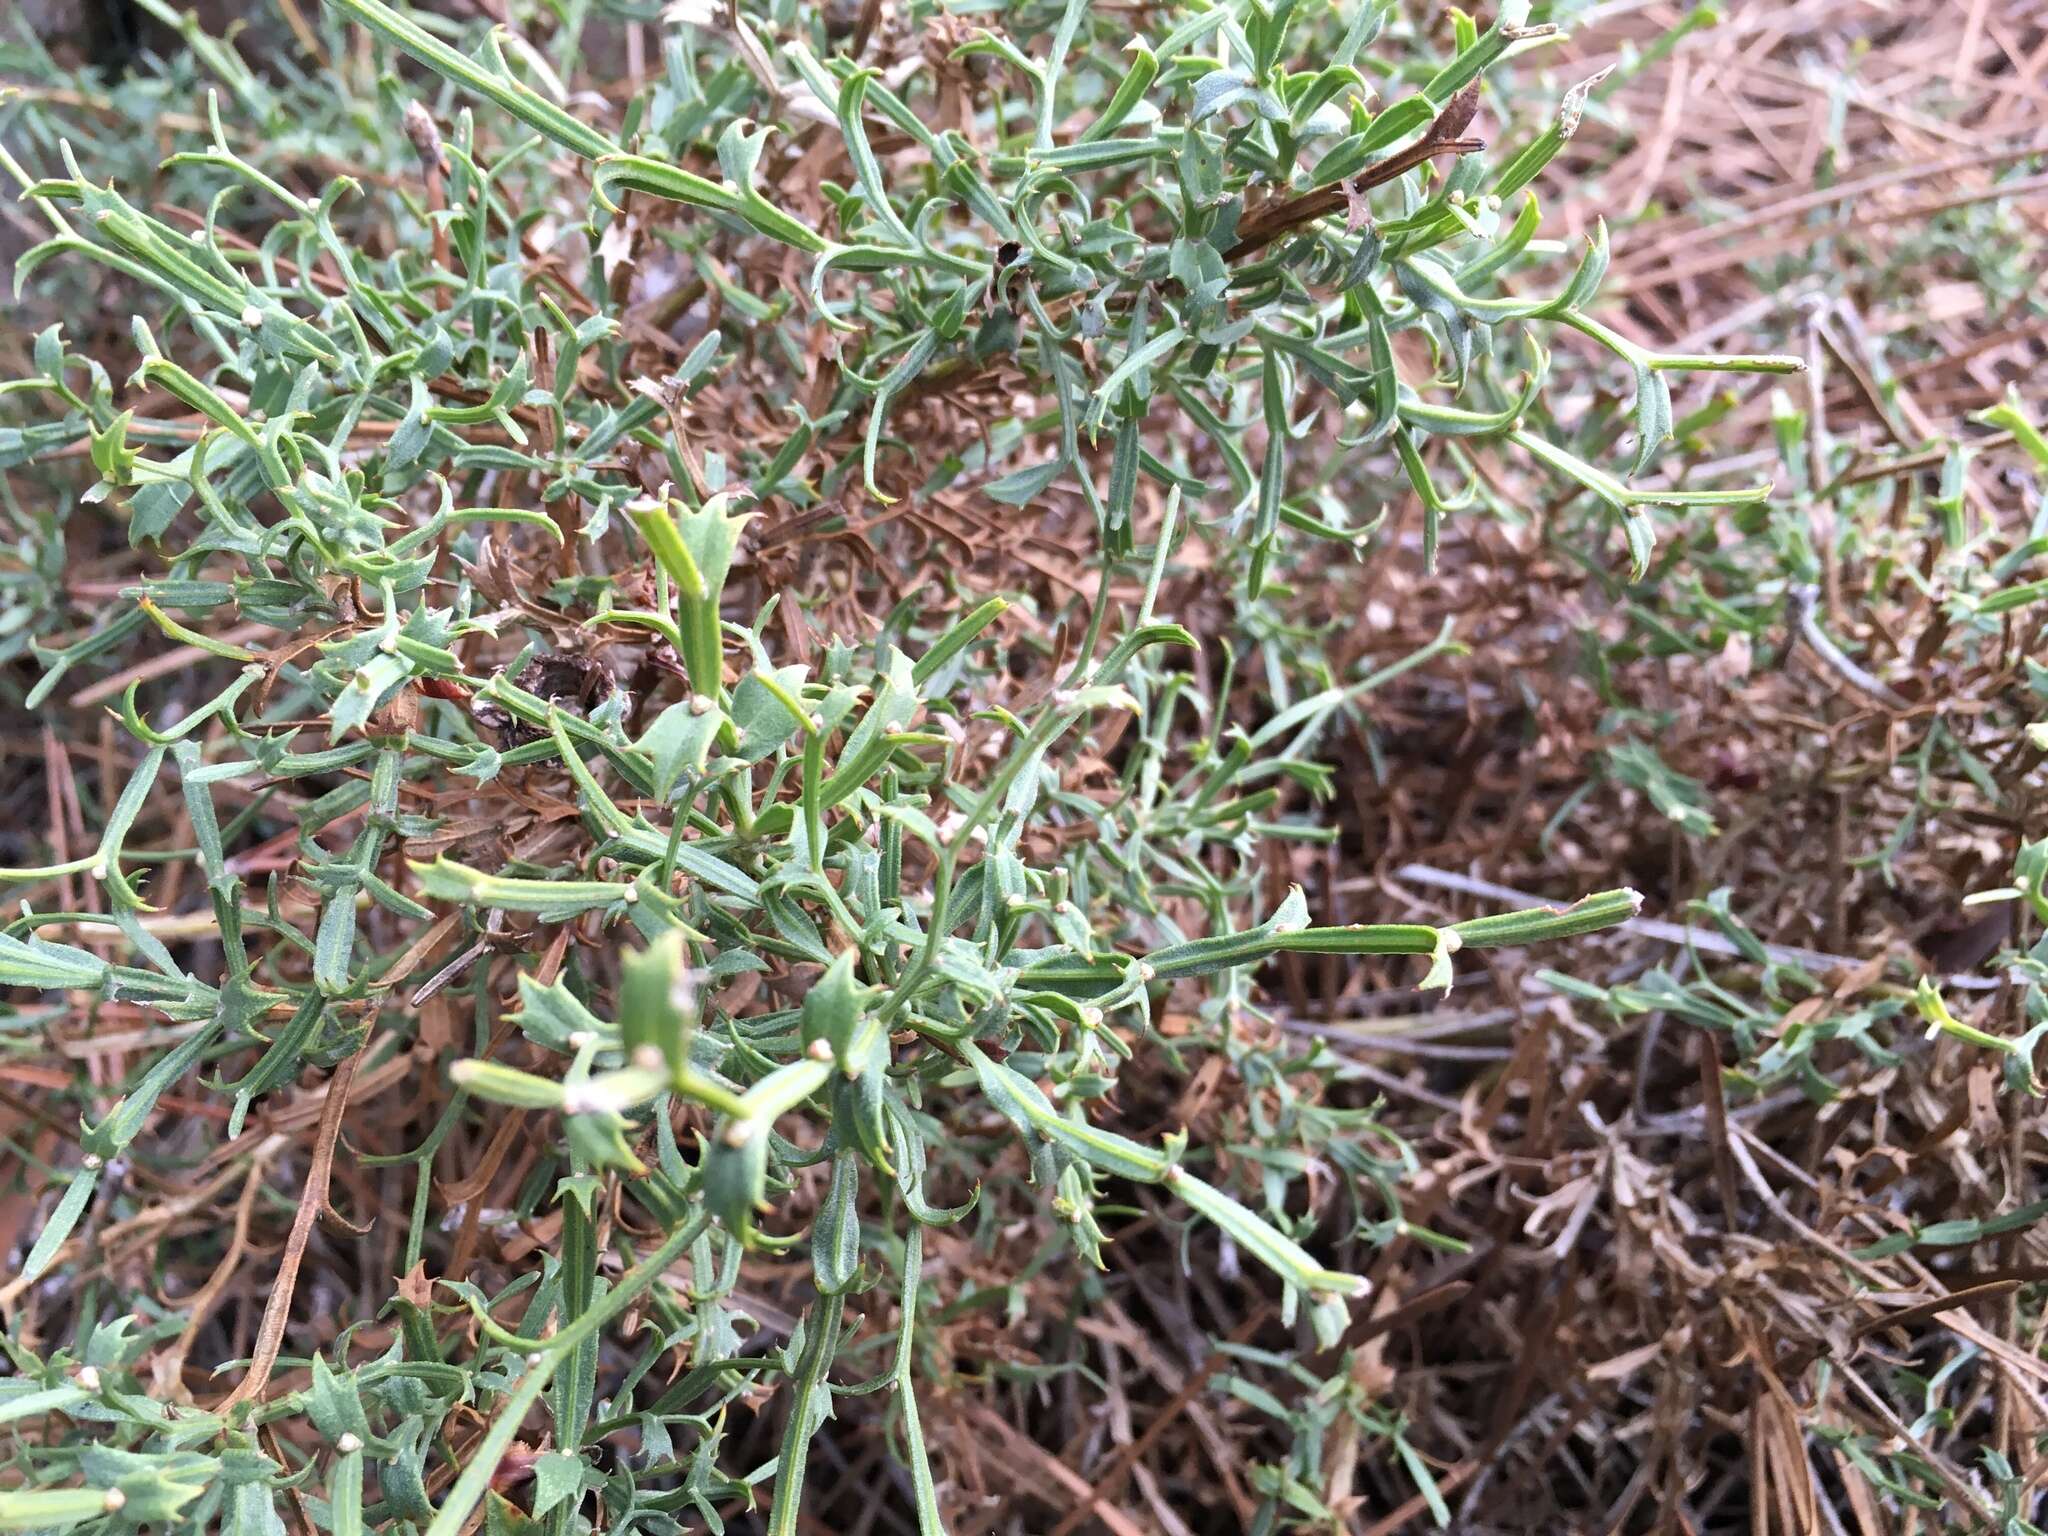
{"type": "Point", "coordinates": [1441, 138]}
{"type": "Point", "coordinates": [1274, 221]}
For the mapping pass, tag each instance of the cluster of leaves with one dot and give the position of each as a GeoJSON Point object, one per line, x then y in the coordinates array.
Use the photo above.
{"type": "Point", "coordinates": [1241, 270]}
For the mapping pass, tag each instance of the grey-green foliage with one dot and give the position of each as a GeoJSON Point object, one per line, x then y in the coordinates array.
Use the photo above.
{"type": "Point", "coordinates": [1179, 222]}
{"type": "Point", "coordinates": [1144, 227]}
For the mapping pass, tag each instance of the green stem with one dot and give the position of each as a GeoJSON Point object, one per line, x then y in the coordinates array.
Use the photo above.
{"type": "Point", "coordinates": [476, 1476]}
{"type": "Point", "coordinates": [826, 1314]}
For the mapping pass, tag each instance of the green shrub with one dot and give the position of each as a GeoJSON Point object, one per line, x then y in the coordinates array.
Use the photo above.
{"type": "Point", "coordinates": [475, 622]}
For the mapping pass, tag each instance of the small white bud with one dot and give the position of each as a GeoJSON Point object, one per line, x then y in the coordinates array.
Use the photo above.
{"type": "Point", "coordinates": [819, 1050]}
{"type": "Point", "coordinates": [348, 1442]}
{"type": "Point", "coordinates": [388, 645]}
{"type": "Point", "coordinates": [252, 317]}
{"type": "Point", "coordinates": [535, 1358]}
{"type": "Point", "coordinates": [588, 1099]}
{"type": "Point", "coordinates": [91, 1161]}
{"type": "Point", "coordinates": [648, 1058]}
{"type": "Point", "coordinates": [700, 705]}
{"type": "Point", "coordinates": [114, 1500]}
{"type": "Point", "coordinates": [88, 1379]}
{"type": "Point", "coordinates": [1147, 971]}
{"type": "Point", "coordinates": [630, 894]}
{"type": "Point", "coordinates": [1453, 941]}
{"type": "Point", "coordinates": [579, 1038]}
{"type": "Point", "coordinates": [739, 1133]}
